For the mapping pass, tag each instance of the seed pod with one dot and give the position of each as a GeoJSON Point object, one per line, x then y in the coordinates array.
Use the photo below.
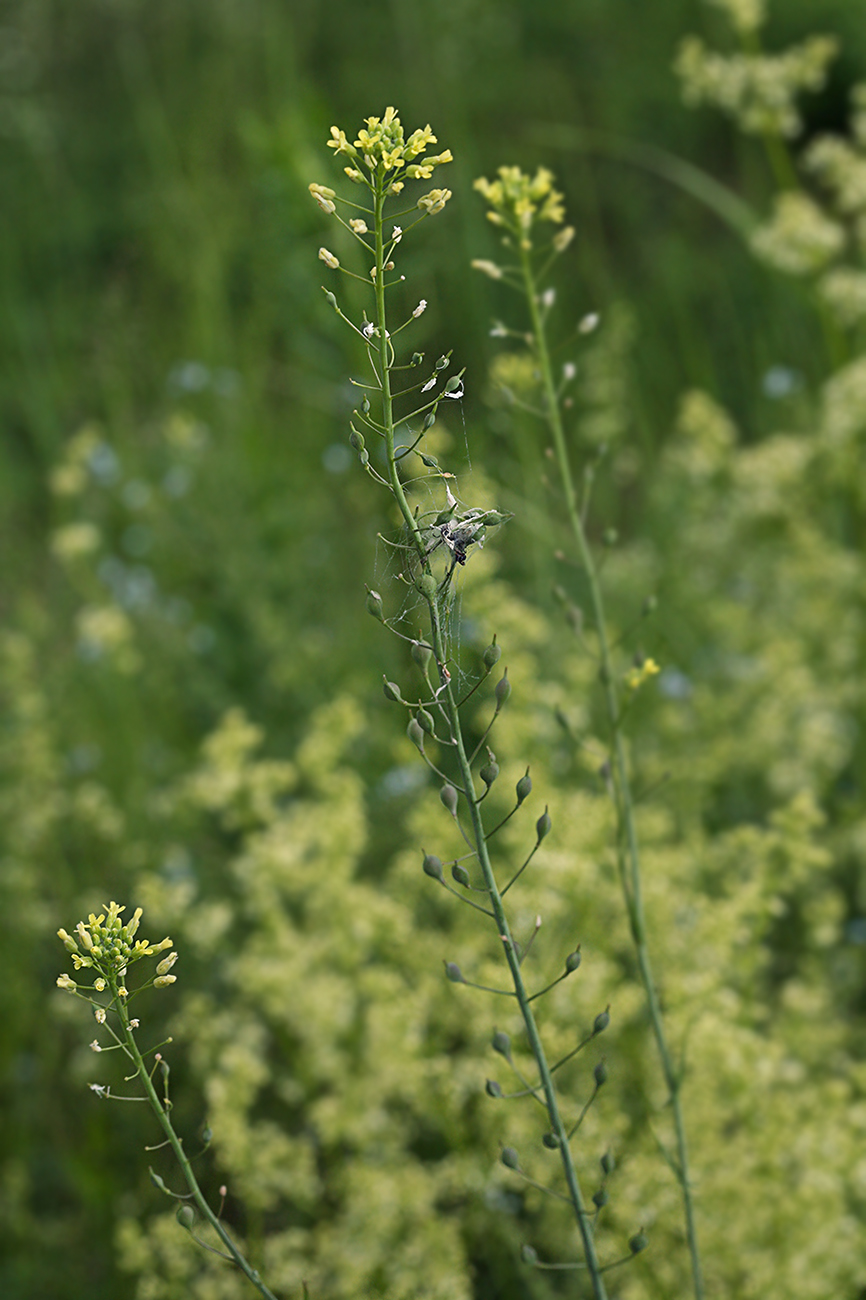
{"type": "Point", "coordinates": [600, 1074]}
{"type": "Point", "coordinates": [432, 866]}
{"type": "Point", "coordinates": [430, 461]}
{"type": "Point", "coordinates": [443, 363]}
{"type": "Point", "coordinates": [425, 721]}
{"type": "Point", "coordinates": [573, 960]}
{"type": "Point", "coordinates": [501, 1043]}
{"type": "Point", "coordinates": [524, 787]}
{"type": "Point", "coordinates": [544, 825]}
{"type": "Point", "coordinates": [330, 297]}
{"type": "Point", "coordinates": [157, 1181]}
{"type": "Point", "coordinates": [374, 605]}
{"type": "Point", "coordinates": [492, 1088]}
{"type": "Point", "coordinates": [186, 1216]}
{"type": "Point", "coordinates": [391, 691]}
{"type": "Point", "coordinates": [638, 1242]}
{"type": "Point", "coordinates": [460, 874]}
{"type": "Point", "coordinates": [365, 405]}
{"type": "Point", "coordinates": [551, 1141]}
{"type": "Point", "coordinates": [364, 458]}
{"type": "Point", "coordinates": [415, 734]}
{"type": "Point", "coordinates": [422, 654]}
{"type": "Point", "coordinates": [357, 440]}
{"type": "Point", "coordinates": [528, 1254]}
{"type": "Point", "coordinates": [610, 537]}
{"type": "Point", "coordinates": [490, 771]}
{"type": "Point", "coordinates": [510, 1158]}
{"type": "Point", "coordinates": [492, 655]}
{"type": "Point", "coordinates": [607, 1162]}
{"type": "Point", "coordinates": [454, 973]}
{"type": "Point", "coordinates": [448, 795]}
{"type": "Point", "coordinates": [426, 584]}
{"type": "Point", "coordinates": [502, 690]}
{"type": "Point", "coordinates": [601, 1022]}
{"type": "Point", "coordinates": [429, 420]}
{"type": "Point", "coordinates": [601, 1197]}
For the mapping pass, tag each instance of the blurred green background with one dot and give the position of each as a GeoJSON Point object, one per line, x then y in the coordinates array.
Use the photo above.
{"type": "Point", "coordinates": [164, 337]}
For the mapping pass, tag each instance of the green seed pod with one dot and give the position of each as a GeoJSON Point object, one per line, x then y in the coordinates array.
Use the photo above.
{"type": "Point", "coordinates": [425, 721]}
{"type": "Point", "coordinates": [460, 874]}
{"type": "Point", "coordinates": [330, 297]}
{"type": "Point", "coordinates": [492, 1088]}
{"type": "Point", "coordinates": [638, 1242]}
{"type": "Point", "coordinates": [364, 458]}
{"type": "Point", "coordinates": [430, 461]}
{"type": "Point", "coordinates": [501, 1043]}
{"type": "Point", "coordinates": [426, 584]}
{"type": "Point", "coordinates": [551, 1141]}
{"type": "Point", "coordinates": [365, 405]}
{"type": "Point", "coordinates": [489, 771]}
{"type": "Point", "coordinates": [524, 787]}
{"type": "Point", "coordinates": [448, 796]}
{"type": "Point", "coordinates": [415, 734]}
{"type": "Point", "coordinates": [417, 358]}
{"type": "Point", "coordinates": [544, 825]}
{"type": "Point", "coordinates": [600, 1197]}
{"type": "Point", "coordinates": [607, 1162]}
{"type": "Point", "coordinates": [186, 1216]}
{"type": "Point", "coordinates": [601, 1022]}
{"type": "Point", "coordinates": [422, 655]}
{"type": "Point", "coordinates": [510, 1158]}
{"type": "Point", "coordinates": [610, 537]}
{"type": "Point", "coordinates": [443, 363]}
{"type": "Point", "coordinates": [528, 1254]}
{"type": "Point", "coordinates": [492, 655]}
{"type": "Point", "coordinates": [207, 1135]}
{"type": "Point", "coordinates": [600, 1074]}
{"type": "Point", "coordinates": [391, 691]}
{"type": "Point", "coordinates": [374, 605]}
{"type": "Point", "coordinates": [502, 690]}
{"type": "Point", "coordinates": [357, 440]}
{"type": "Point", "coordinates": [454, 973]}
{"type": "Point", "coordinates": [157, 1181]}
{"type": "Point", "coordinates": [573, 960]}
{"type": "Point", "coordinates": [429, 420]}
{"type": "Point", "coordinates": [432, 866]}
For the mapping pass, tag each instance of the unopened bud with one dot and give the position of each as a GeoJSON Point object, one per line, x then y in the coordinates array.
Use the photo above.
{"type": "Point", "coordinates": [543, 825]}
{"type": "Point", "coordinates": [163, 981]}
{"type": "Point", "coordinates": [524, 787]}
{"type": "Point", "coordinates": [433, 867]}
{"type": "Point", "coordinates": [166, 964]}
{"type": "Point", "coordinates": [448, 795]}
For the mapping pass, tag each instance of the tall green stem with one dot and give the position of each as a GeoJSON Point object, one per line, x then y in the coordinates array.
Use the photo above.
{"type": "Point", "coordinates": [162, 1115]}
{"type": "Point", "coordinates": [628, 852]}
{"type": "Point", "coordinates": [558, 1127]}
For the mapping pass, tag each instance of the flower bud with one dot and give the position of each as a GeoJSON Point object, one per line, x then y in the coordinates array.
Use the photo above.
{"type": "Point", "coordinates": [433, 867]}
{"type": "Point", "coordinates": [163, 981]}
{"type": "Point", "coordinates": [415, 734]}
{"type": "Point", "coordinates": [448, 796]}
{"type": "Point", "coordinates": [544, 825]}
{"type": "Point", "coordinates": [601, 1022]}
{"type": "Point", "coordinates": [551, 1141]}
{"type": "Point", "coordinates": [68, 942]}
{"type": "Point", "coordinates": [600, 1074]}
{"type": "Point", "coordinates": [638, 1242]}
{"type": "Point", "coordinates": [425, 721]}
{"type": "Point", "coordinates": [492, 655]}
{"type": "Point", "coordinates": [524, 787]}
{"type": "Point", "coordinates": [374, 604]}
{"type": "Point", "coordinates": [501, 1043]}
{"type": "Point", "coordinates": [492, 1088]}
{"type": "Point", "coordinates": [502, 690]}
{"type": "Point", "coordinates": [166, 964]}
{"type": "Point", "coordinates": [391, 691]}
{"type": "Point", "coordinates": [454, 973]}
{"type": "Point", "coordinates": [573, 960]}
{"type": "Point", "coordinates": [510, 1158]}
{"type": "Point", "coordinates": [460, 874]}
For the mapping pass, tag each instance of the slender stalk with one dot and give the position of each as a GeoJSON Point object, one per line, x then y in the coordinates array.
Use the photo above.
{"type": "Point", "coordinates": [583, 1217]}
{"type": "Point", "coordinates": [628, 852]}
{"type": "Point", "coordinates": [176, 1145]}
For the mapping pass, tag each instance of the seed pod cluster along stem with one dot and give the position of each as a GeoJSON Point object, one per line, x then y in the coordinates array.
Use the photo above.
{"type": "Point", "coordinates": [382, 166]}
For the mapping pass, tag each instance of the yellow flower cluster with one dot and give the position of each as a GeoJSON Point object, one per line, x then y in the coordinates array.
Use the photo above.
{"type": "Point", "coordinates": [103, 943]}
{"type": "Point", "coordinates": [518, 201]}
{"type": "Point", "coordinates": [381, 143]}
{"type": "Point", "coordinates": [636, 677]}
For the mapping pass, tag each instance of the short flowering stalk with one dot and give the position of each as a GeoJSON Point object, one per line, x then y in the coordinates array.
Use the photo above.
{"type": "Point", "coordinates": [517, 204]}
{"type": "Point", "coordinates": [384, 157]}
{"type": "Point", "coordinates": [108, 947]}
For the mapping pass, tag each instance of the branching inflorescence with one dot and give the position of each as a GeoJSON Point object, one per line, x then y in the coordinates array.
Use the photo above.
{"type": "Point", "coordinates": [380, 162]}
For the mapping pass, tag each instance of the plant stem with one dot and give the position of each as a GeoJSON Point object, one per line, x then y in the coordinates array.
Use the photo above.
{"type": "Point", "coordinates": [584, 1221]}
{"type": "Point", "coordinates": [628, 852]}
{"type": "Point", "coordinates": [176, 1145]}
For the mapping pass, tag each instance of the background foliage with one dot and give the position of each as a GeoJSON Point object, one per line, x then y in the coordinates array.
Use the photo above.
{"type": "Point", "coordinates": [189, 712]}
